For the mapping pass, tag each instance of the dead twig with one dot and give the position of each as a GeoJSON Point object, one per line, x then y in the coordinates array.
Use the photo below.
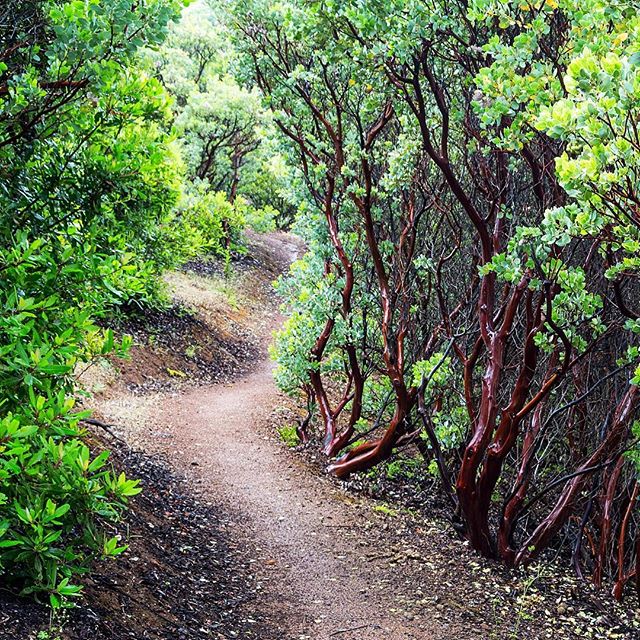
{"type": "Point", "coordinates": [106, 427]}
{"type": "Point", "coordinates": [337, 632]}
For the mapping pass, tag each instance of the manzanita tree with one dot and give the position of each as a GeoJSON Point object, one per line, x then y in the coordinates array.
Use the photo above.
{"type": "Point", "coordinates": [588, 105]}
{"type": "Point", "coordinates": [342, 130]}
{"type": "Point", "coordinates": [471, 171]}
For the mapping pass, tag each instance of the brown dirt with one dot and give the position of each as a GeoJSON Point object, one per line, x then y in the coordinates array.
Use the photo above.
{"type": "Point", "coordinates": [308, 530]}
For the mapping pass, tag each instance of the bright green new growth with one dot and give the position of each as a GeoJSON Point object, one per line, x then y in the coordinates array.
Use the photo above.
{"type": "Point", "coordinates": [591, 112]}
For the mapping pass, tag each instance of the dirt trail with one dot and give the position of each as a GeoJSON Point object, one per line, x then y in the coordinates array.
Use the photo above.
{"type": "Point", "coordinates": [236, 537]}
{"type": "Point", "coordinates": [305, 528]}
{"type": "Point", "coordinates": [315, 554]}
{"type": "Point", "coordinates": [310, 537]}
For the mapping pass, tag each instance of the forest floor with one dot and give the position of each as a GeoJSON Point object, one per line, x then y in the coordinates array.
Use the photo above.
{"type": "Point", "coordinates": [237, 536]}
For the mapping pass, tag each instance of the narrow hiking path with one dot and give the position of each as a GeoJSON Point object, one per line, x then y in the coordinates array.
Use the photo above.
{"type": "Point", "coordinates": [324, 562]}
{"type": "Point", "coordinates": [322, 571]}
{"type": "Point", "coordinates": [307, 533]}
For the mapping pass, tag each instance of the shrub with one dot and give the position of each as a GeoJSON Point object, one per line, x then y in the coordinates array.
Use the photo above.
{"type": "Point", "coordinates": [87, 189]}
{"type": "Point", "coordinates": [210, 222]}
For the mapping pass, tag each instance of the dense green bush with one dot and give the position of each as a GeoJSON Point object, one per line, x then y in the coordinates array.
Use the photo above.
{"type": "Point", "coordinates": [88, 186]}
{"type": "Point", "coordinates": [211, 223]}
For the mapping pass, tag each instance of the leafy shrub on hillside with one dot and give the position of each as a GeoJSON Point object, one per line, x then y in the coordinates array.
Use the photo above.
{"type": "Point", "coordinates": [211, 223]}
{"type": "Point", "coordinates": [55, 497]}
{"type": "Point", "coordinates": [88, 184]}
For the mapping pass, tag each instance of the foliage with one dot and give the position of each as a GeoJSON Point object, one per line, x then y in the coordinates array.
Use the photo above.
{"type": "Point", "coordinates": [289, 435]}
{"type": "Point", "coordinates": [223, 131]}
{"type": "Point", "coordinates": [88, 183]}
{"type": "Point", "coordinates": [403, 467]}
{"type": "Point", "coordinates": [469, 180]}
{"type": "Point", "coordinates": [211, 223]}
{"type": "Point", "coordinates": [54, 495]}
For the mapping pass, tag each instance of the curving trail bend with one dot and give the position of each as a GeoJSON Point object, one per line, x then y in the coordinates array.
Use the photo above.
{"type": "Point", "coordinates": [314, 549]}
